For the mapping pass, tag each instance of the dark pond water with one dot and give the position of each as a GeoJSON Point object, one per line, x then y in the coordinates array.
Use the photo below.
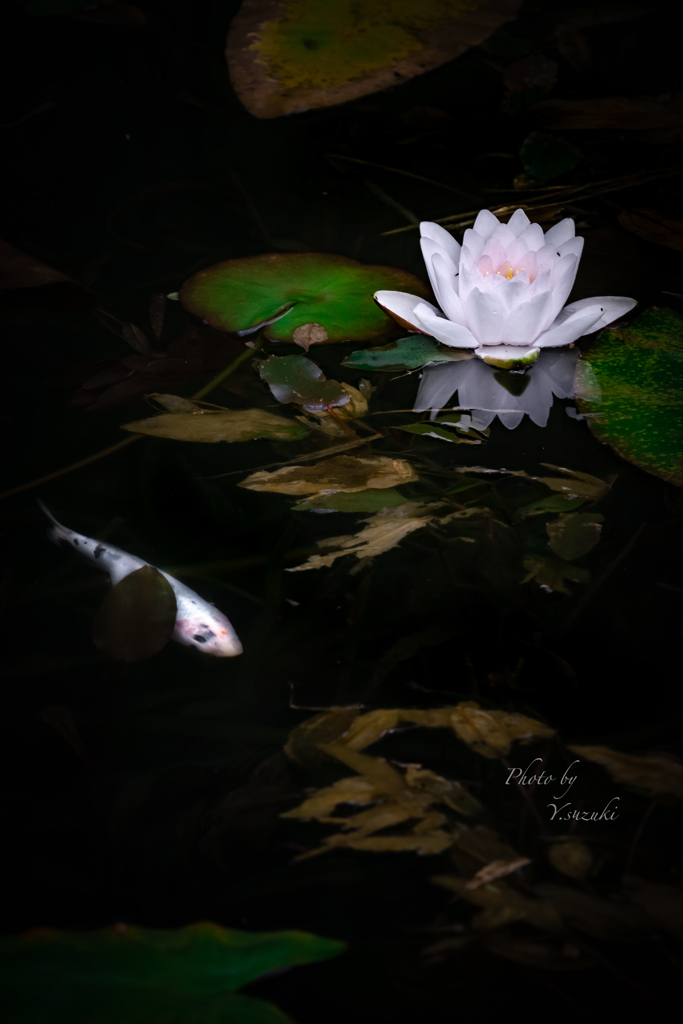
{"type": "Point", "coordinates": [152, 792]}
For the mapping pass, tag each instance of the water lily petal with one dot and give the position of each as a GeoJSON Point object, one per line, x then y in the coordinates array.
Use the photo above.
{"type": "Point", "coordinates": [495, 250]}
{"type": "Point", "coordinates": [486, 223]}
{"type": "Point", "coordinates": [443, 285]}
{"type": "Point", "coordinates": [561, 283]}
{"type": "Point", "coordinates": [572, 245]}
{"type": "Point", "coordinates": [401, 305]}
{"type": "Point", "coordinates": [515, 291]}
{"type": "Point", "coordinates": [472, 246]}
{"type": "Point", "coordinates": [614, 307]}
{"type": "Point", "coordinates": [518, 222]}
{"type": "Point", "coordinates": [485, 313]}
{"type": "Point", "coordinates": [445, 331]}
{"type": "Point", "coordinates": [508, 357]}
{"type": "Point", "coordinates": [512, 419]}
{"type": "Point", "coordinates": [558, 366]}
{"type": "Point", "coordinates": [524, 324]}
{"type": "Point", "coordinates": [559, 233]}
{"type": "Point", "coordinates": [429, 250]}
{"type": "Point", "coordinates": [504, 235]}
{"type": "Point", "coordinates": [442, 237]}
{"type": "Point", "coordinates": [533, 237]}
{"type": "Point", "coordinates": [566, 332]}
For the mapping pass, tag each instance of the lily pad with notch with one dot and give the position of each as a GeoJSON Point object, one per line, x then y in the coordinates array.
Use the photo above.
{"type": "Point", "coordinates": [306, 298]}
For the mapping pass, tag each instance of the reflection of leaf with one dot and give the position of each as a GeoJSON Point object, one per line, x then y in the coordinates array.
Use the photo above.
{"type": "Point", "coordinates": [655, 773]}
{"type": "Point", "coordinates": [298, 379]}
{"type": "Point", "coordinates": [653, 227]}
{"type": "Point", "coordinates": [383, 531]}
{"type": "Point", "coordinates": [629, 382]}
{"type": "Point", "coordinates": [571, 858]}
{"type": "Point", "coordinates": [289, 291]}
{"type": "Point", "coordinates": [372, 500]}
{"type": "Point", "coordinates": [550, 572]}
{"type": "Point", "coordinates": [605, 919]}
{"type": "Point", "coordinates": [287, 57]}
{"type": "Point", "coordinates": [573, 535]}
{"type": "Point", "coordinates": [346, 473]}
{"type": "Point", "coordinates": [501, 904]}
{"type": "Point", "coordinates": [405, 354]}
{"type": "Point", "coordinates": [573, 484]}
{"type": "Point", "coordinates": [492, 733]}
{"type": "Point", "coordinates": [137, 617]}
{"type": "Point", "coordinates": [125, 973]}
{"type": "Point", "coordinates": [230, 425]}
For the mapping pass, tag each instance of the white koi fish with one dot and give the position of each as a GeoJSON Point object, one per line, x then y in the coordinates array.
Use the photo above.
{"type": "Point", "coordinates": [198, 623]}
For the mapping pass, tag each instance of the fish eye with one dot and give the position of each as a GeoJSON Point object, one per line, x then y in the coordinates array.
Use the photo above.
{"type": "Point", "coordinates": [199, 638]}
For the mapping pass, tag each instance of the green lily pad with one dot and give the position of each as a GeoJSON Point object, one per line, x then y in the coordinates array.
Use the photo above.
{"type": "Point", "coordinates": [405, 354]}
{"type": "Point", "coordinates": [435, 429]}
{"type": "Point", "coordinates": [555, 503]}
{"type": "Point", "coordinates": [372, 500]}
{"type": "Point", "coordinates": [307, 298]}
{"type": "Point", "coordinates": [298, 379]}
{"type": "Point", "coordinates": [129, 975]}
{"type": "Point", "coordinates": [629, 385]}
{"type": "Point", "coordinates": [574, 534]}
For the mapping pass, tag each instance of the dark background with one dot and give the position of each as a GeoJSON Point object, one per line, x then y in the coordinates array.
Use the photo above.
{"type": "Point", "coordinates": [129, 164]}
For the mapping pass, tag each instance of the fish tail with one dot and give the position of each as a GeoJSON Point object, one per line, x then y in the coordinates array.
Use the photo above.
{"type": "Point", "coordinates": [58, 532]}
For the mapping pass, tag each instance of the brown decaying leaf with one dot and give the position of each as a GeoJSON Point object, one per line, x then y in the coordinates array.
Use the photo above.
{"type": "Point", "coordinates": [653, 227]}
{"type": "Point", "coordinates": [384, 531]}
{"type": "Point", "coordinates": [354, 408]}
{"type": "Point", "coordinates": [572, 858]}
{"type": "Point", "coordinates": [654, 773]}
{"type": "Point", "coordinates": [347, 473]}
{"type": "Point", "coordinates": [264, 95]}
{"type": "Point", "coordinates": [212, 426]}
{"type": "Point", "coordinates": [573, 484]}
{"type": "Point", "coordinates": [491, 733]}
{"type": "Point", "coordinates": [501, 904]}
{"type": "Point", "coordinates": [496, 869]}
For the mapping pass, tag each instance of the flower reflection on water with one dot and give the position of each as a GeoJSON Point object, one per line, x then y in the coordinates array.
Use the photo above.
{"type": "Point", "coordinates": [489, 392]}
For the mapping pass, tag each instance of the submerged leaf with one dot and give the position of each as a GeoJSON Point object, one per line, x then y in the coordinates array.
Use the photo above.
{"type": "Point", "coordinates": [137, 617]}
{"type": "Point", "coordinates": [492, 733]}
{"type": "Point", "coordinates": [653, 227]}
{"type": "Point", "coordinates": [655, 773]}
{"type": "Point", "coordinates": [410, 353]}
{"type": "Point", "coordinates": [371, 500]}
{"type": "Point", "coordinates": [125, 973]}
{"type": "Point", "coordinates": [383, 531]}
{"type": "Point", "coordinates": [439, 432]}
{"type": "Point", "coordinates": [346, 473]}
{"type": "Point", "coordinates": [502, 904]}
{"type": "Point", "coordinates": [605, 919]}
{"type": "Point", "coordinates": [663, 904]}
{"type": "Point", "coordinates": [229, 425]}
{"type": "Point", "coordinates": [573, 535]}
{"type": "Point", "coordinates": [298, 379]}
{"type": "Point", "coordinates": [629, 385]}
{"type": "Point", "coordinates": [288, 292]}
{"type": "Point", "coordinates": [550, 572]}
{"type": "Point", "coordinates": [496, 869]}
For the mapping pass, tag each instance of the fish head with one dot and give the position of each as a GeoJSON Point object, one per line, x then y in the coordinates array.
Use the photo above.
{"type": "Point", "coordinates": [211, 635]}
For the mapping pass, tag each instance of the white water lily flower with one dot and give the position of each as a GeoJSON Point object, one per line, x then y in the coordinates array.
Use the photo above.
{"type": "Point", "coordinates": [503, 292]}
{"type": "Point", "coordinates": [489, 393]}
